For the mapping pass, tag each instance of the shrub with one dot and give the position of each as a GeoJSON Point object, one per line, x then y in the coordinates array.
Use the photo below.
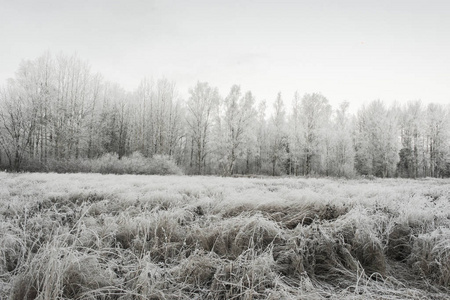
{"type": "Point", "coordinates": [162, 164]}
{"type": "Point", "coordinates": [108, 163]}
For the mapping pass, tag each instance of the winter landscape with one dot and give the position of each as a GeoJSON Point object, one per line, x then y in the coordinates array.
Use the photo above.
{"type": "Point", "coordinates": [224, 149]}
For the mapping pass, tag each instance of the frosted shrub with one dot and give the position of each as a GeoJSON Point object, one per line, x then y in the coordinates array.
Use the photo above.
{"type": "Point", "coordinates": [110, 163]}
{"type": "Point", "coordinates": [136, 163]}
{"type": "Point", "coordinates": [162, 164]}
{"type": "Point", "coordinates": [105, 164]}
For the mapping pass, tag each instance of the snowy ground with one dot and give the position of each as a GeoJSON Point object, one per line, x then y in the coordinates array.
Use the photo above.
{"type": "Point", "coordinates": [96, 236]}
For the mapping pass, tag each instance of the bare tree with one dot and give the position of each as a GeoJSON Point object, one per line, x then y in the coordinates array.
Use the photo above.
{"type": "Point", "coordinates": [295, 134]}
{"type": "Point", "coordinates": [278, 138]}
{"type": "Point", "coordinates": [239, 113]}
{"type": "Point", "coordinates": [18, 121]}
{"type": "Point", "coordinates": [412, 128]}
{"type": "Point", "coordinates": [377, 140]}
{"type": "Point", "coordinates": [316, 113]}
{"type": "Point", "coordinates": [437, 136]}
{"type": "Point", "coordinates": [201, 107]}
{"type": "Point", "coordinates": [342, 154]}
{"type": "Point", "coordinates": [261, 137]}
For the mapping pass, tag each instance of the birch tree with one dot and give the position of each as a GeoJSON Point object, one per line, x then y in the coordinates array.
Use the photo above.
{"type": "Point", "coordinates": [316, 113]}
{"type": "Point", "coordinates": [377, 140]}
{"type": "Point", "coordinates": [261, 138]}
{"type": "Point", "coordinates": [437, 136]}
{"type": "Point", "coordinates": [201, 106]}
{"type": "Point", "coordinates": [411, 122]}
{"type": "Point", "coordinates": [343, 154]}
{"type": "Point", "coordinates": [295, 135]}
{"type": "Point", "coordinates": [239, 113]}
{"type": "Point", "coordinates": [18, 121]}
{"type": "Point", "coordinates": [277, 134]}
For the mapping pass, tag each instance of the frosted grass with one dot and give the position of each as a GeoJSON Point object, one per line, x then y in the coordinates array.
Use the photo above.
{"type": "Point", "coordinates": [92, 236]}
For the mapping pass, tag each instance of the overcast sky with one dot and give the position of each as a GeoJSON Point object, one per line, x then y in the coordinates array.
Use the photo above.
{"type": "Point", "coordinates": [347, 50]}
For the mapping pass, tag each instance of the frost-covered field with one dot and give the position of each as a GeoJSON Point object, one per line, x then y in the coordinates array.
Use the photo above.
{"type": "Point", "coordinates": [89, 236]}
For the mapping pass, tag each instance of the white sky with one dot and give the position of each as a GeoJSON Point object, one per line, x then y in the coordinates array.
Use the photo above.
{"type": "Point", "coordinates": [347, 50]}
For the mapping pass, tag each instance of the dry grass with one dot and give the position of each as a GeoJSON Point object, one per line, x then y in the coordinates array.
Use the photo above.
{"type": "Point", "coordinates": [90, 236]}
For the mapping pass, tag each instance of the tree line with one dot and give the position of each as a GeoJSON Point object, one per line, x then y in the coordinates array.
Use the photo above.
{"type": "Point", "coordinates": [56, 109]}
